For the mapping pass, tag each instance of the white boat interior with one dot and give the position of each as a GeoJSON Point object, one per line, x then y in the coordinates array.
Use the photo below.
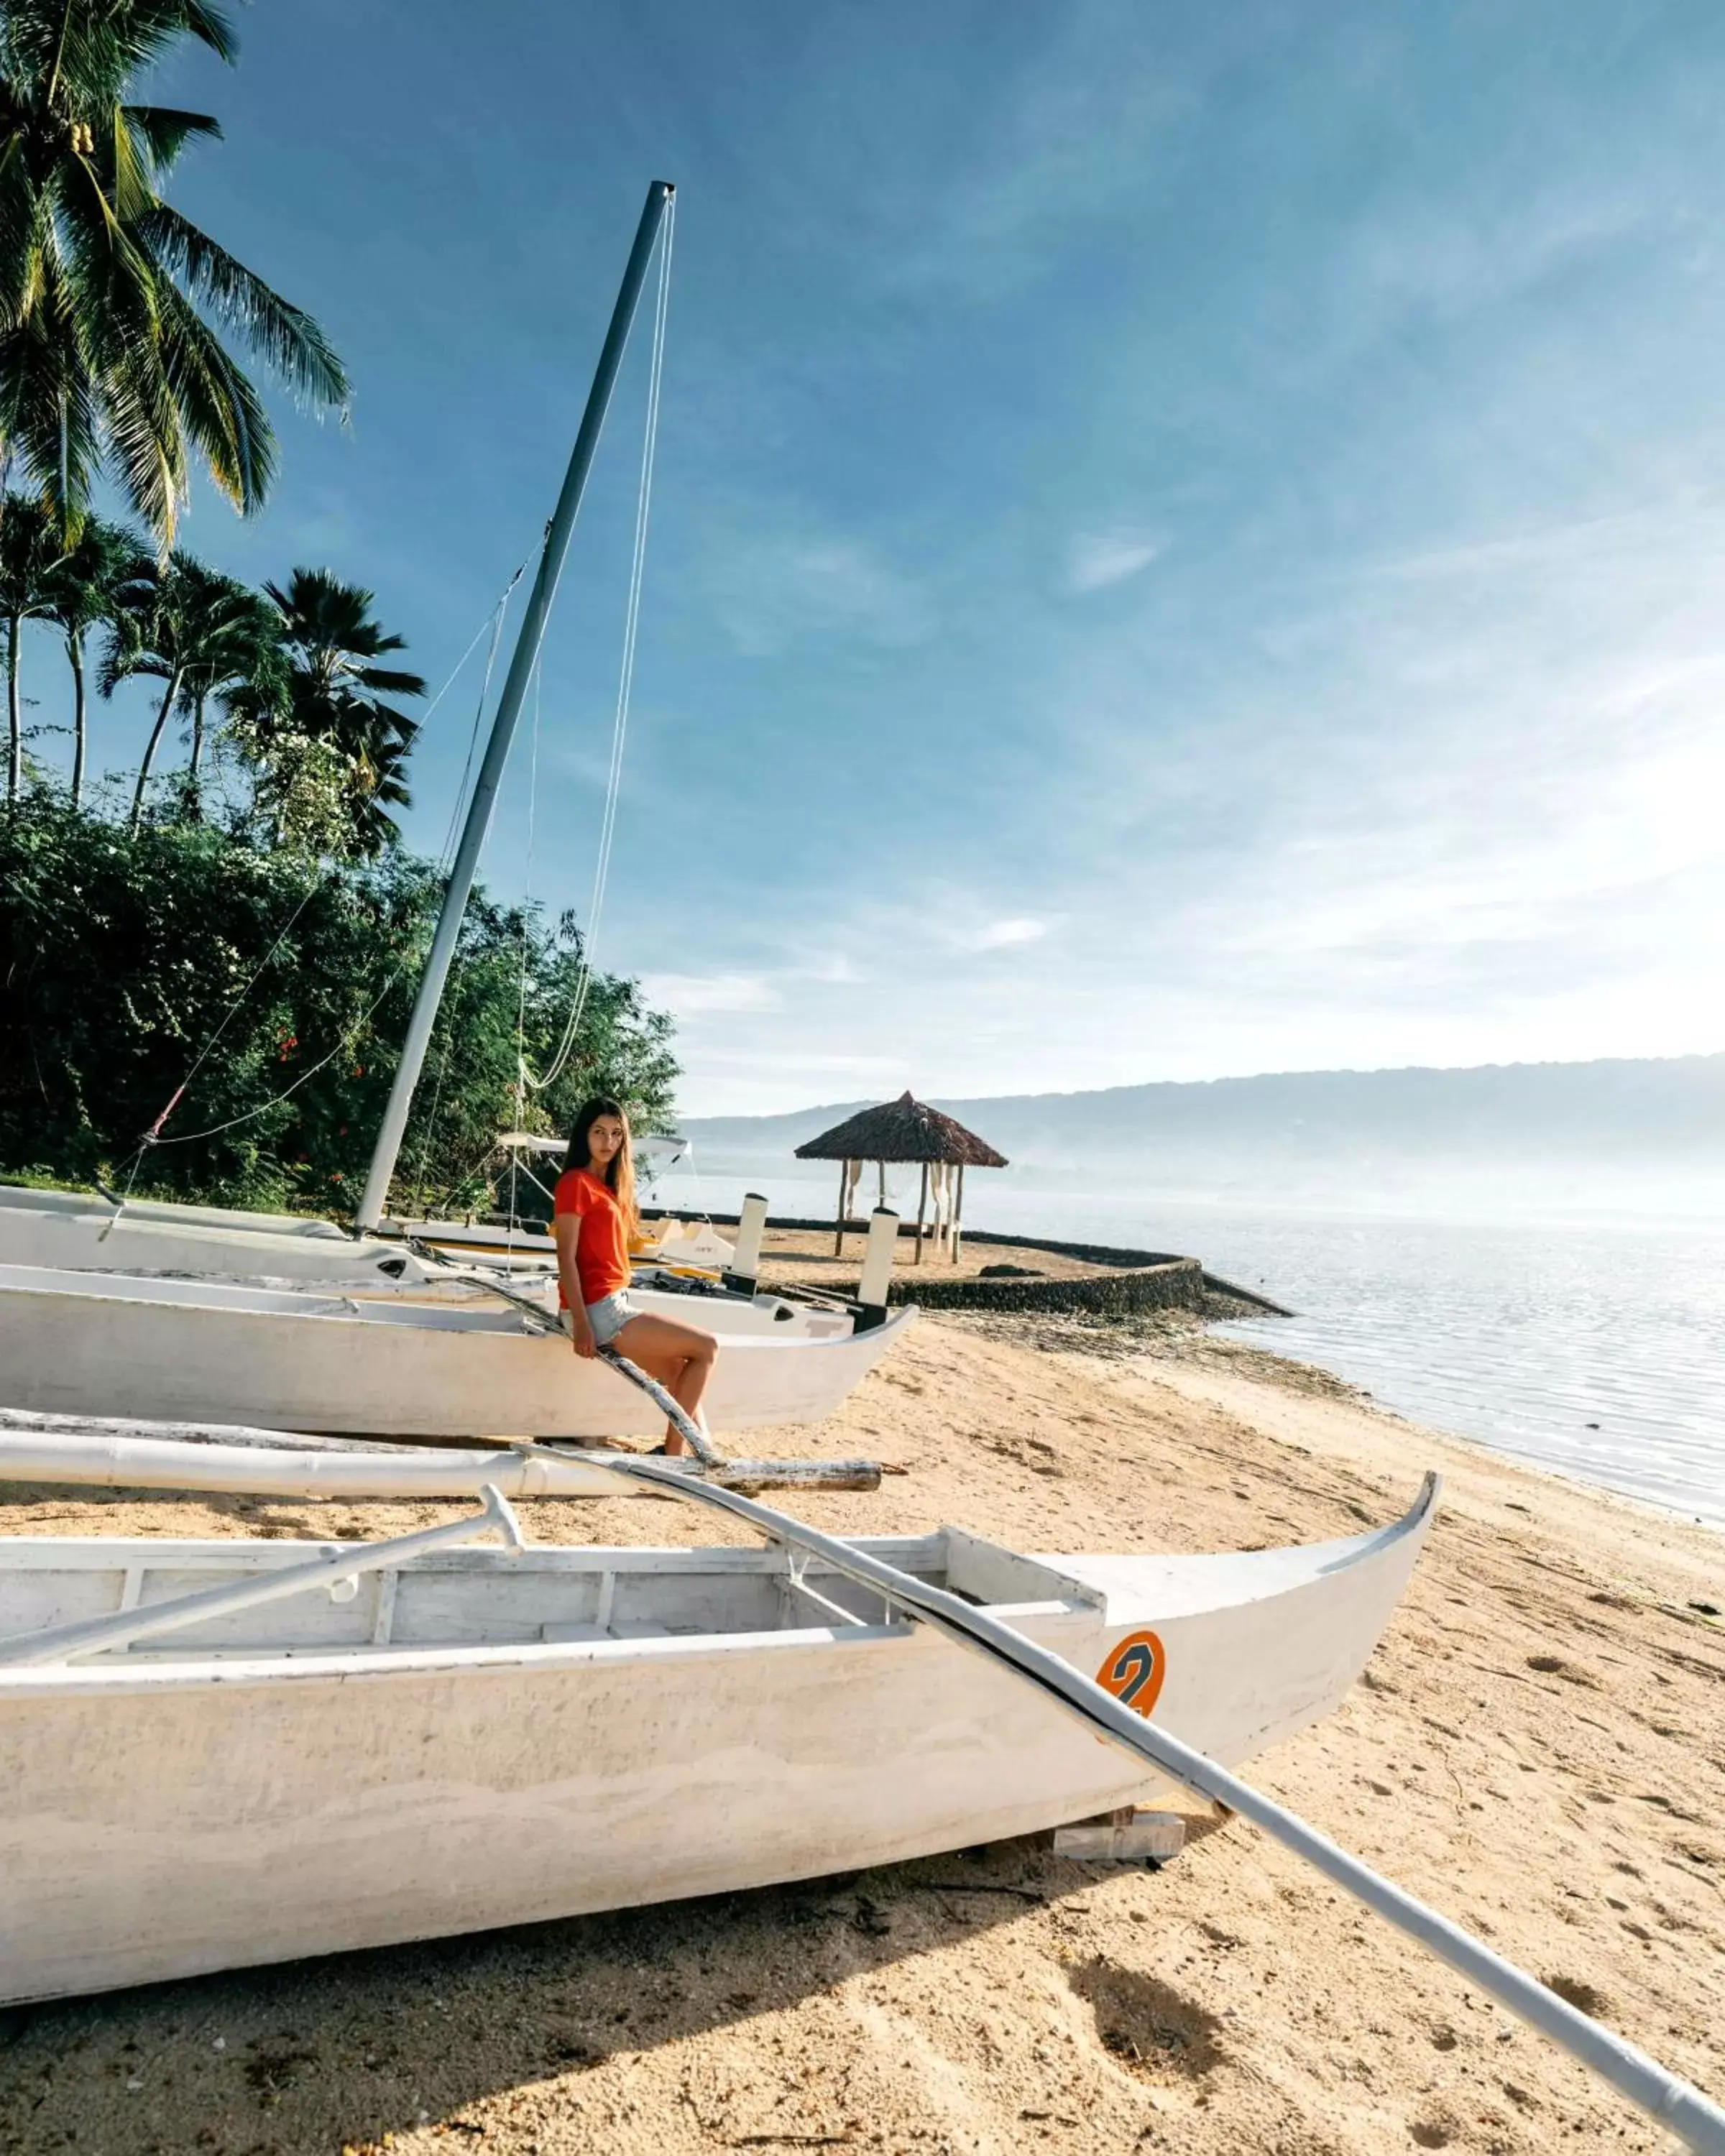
{"type": "Point", "coordinates": [473, 1596]}
{"type": "Point", "coordinates": [652, 1288]}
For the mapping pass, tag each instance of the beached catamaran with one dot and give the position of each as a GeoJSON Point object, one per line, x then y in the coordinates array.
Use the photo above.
{"type": "Point", "coordinates": [89, 1324]}
{"type": "Point", "coordinates": [202, 1350]}
{"type": "Point", "coordinates": [345, 1746]}
{"type": "Point", "coordinates": [537, 1716]}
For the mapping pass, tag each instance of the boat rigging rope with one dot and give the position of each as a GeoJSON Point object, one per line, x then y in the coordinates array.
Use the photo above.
{"type": "Point", "coordinates": [448, 854]}
{"type": "Point", "coordinates": [498, 614]}
{"type": "Point", "coordinates": [626, 677]}
{"type": "Point", "coordinates": [520, 999]}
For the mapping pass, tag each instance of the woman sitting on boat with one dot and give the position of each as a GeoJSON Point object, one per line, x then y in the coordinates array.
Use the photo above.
{"type": "Point", "coordinates": [595, 1217]}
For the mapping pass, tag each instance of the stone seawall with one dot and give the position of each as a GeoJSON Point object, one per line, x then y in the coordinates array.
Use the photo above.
{"type": "Point", "coordinates": [1123, 1292]}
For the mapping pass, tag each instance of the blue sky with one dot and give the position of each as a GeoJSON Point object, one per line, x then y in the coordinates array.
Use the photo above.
{"type": "Point", "coordinates": [1187, 540]}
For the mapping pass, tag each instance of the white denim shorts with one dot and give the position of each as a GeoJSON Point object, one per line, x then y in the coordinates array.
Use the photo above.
{"type": "Point", "coordinates": [609, 1314]}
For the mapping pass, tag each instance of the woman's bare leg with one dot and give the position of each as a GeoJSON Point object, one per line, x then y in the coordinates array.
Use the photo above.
{"type": "Point", "coordinates": [680, 1356]}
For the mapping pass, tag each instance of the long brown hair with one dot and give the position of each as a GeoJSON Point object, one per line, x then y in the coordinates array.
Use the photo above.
{"type": "Point", "coordinates": [620, 1172]}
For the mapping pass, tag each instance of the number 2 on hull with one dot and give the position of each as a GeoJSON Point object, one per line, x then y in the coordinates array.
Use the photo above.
{"type": "Point", "coordinates": [1133, 1670]}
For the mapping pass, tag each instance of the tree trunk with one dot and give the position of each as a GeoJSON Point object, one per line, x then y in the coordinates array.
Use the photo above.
{"type": "Point", "coordinates": [154, 743]}
{"type": "Point", "coordinates": [74, 654]}
{"type": "Point", "coordinates": [194, 791]}
{"type": "Point", "coordinates": [14, 712]}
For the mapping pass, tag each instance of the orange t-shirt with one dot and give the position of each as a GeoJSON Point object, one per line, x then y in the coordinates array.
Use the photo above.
{"type": "Point", "coordinates": [601, 1243]}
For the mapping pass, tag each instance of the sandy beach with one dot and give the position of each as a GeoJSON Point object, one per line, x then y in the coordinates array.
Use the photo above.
{"type": "Point", "coordinates": [1538, 1748]}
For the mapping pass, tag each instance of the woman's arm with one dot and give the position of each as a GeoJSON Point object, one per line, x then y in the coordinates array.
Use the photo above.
{"type": "Point", "coordinates": [568, 1236]}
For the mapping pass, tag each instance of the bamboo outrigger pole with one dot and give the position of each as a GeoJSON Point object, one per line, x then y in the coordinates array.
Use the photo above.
{"type": "Point", "coordinates": [509, 708]}
{"type": "Point", "coordinates": [1676, 2104]}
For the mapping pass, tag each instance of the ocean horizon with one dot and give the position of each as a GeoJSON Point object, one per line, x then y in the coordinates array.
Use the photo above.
{"type": "Point", "coordinates": [1588, 1344]}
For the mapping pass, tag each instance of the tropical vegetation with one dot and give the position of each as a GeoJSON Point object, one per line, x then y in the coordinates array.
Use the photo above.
{"type": "Point", "coordinates": [206, 961]}
{"type": "Point", "coordinates": [113, 304]}
{"type": "Point", "coordinates": [280, 986]}
{"type": "Point", "coordinates": [248, 921]}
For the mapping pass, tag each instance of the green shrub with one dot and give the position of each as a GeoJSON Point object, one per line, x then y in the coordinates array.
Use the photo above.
{"type": "Point", "coordinates": [122, 959]}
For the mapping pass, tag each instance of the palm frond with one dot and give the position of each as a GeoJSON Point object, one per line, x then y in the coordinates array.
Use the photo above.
{"type": "Point", "coordinates": [145, 437]}
{"type": "Point", "coordinates": [284, 335]}
{"type": "Point", "coordinates": [48, 419]}
{"type": "Point", "coordinates": [222, 414]}
{"type": "Point", "coordinates": [18, 235]}
{"type": "Point", "coordinates": [165, 132]}
{"type": "Point", "coordinates": [384, 681]}
{"type": "Point", "coordinates": [210, 25]}
{"type": "Point", "coordinates": [133, 195]}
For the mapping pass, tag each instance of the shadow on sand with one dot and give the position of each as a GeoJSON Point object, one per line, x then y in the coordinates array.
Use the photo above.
{"type": "Point", "coordinates": [333, 2054]}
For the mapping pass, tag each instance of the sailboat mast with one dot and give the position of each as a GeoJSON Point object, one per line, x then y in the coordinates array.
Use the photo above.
{"type": "Point", "coordinates": [509, 708]}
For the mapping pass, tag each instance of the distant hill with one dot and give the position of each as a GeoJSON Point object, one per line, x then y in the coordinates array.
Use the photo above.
{"type": "Point", "coordinates": [1616, 1132]}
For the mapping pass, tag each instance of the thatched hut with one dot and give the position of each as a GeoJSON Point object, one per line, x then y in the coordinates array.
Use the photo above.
{"type": "Point", "coordinates": [906, 1130]}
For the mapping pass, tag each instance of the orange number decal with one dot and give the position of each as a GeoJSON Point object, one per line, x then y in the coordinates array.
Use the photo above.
{"type": "Point", "coordinates": [1133, 1671]}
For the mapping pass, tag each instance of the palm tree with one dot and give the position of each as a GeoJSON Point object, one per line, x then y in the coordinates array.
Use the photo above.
{"type": "Point", "coordinates": [191, 628]}
{"type": "Point", "coordinates": [31, 555]}
{"type": "Point", "coordinates": [107, 359]}
{"type": "Point", "coordinates": [240, 657]}
{"type": "Point", "coordinates": [82, 590]}
{"type": "Point", "coordinates": [335, 695]}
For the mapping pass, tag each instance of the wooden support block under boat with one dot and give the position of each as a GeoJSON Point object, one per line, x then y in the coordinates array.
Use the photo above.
{"type": "Point", "coordinates": [1127, 1837]}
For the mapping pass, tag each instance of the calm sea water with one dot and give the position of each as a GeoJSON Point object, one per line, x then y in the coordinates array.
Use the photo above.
{"type": "Point", "coordinates": [1594, 1349]}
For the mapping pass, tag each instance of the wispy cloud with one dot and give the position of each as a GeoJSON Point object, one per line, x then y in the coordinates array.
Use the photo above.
{"type": "Point", "coordinates": [1183, 544]}
{"type": "Point", "coordinates": [1096, 559]}
{"type": "Point", "coordinates": [1096, 113]}
{"type": "Point", "coordinates": [1004, 935]}
{"type": "Point", "coordinates": [691, 995]}
{"type": "Point", "coordinates": [772, 590]}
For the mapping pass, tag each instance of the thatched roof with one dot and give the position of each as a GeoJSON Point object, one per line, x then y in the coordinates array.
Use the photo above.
{"type": "Point", "coordinates": [903, 1129]}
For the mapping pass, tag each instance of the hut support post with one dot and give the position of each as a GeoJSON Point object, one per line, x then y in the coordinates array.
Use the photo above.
{"type": "Point", "coordinates": [955, 1233]}
{"type": "Point", "coordinates": [922, 1208]}
{"type": "Point", "coordinates": [844, 1187]}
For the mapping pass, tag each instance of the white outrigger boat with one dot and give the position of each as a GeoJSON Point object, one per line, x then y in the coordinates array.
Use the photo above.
{"type": "Point", "coordinates": [412, 1739]}
{"type": "Point", "coordinates": [231, 1362]}
{"type": "Point", "coordinates": [82, 1231]}
{"type": "Point", "coordinates": [204, 1350]}
{"type": "Point", "coordinates": [78, 1232]}
{"type": "Point", "coordinates": [387, 1742]}
{"type": "Point", "coordinates": [66, 1232]}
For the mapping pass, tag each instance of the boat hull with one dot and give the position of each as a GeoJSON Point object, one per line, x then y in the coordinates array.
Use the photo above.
{"type": "Point", "coordinates": [198, 1351]}
{"type": "Point", "coordinates": [360, 1797]}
